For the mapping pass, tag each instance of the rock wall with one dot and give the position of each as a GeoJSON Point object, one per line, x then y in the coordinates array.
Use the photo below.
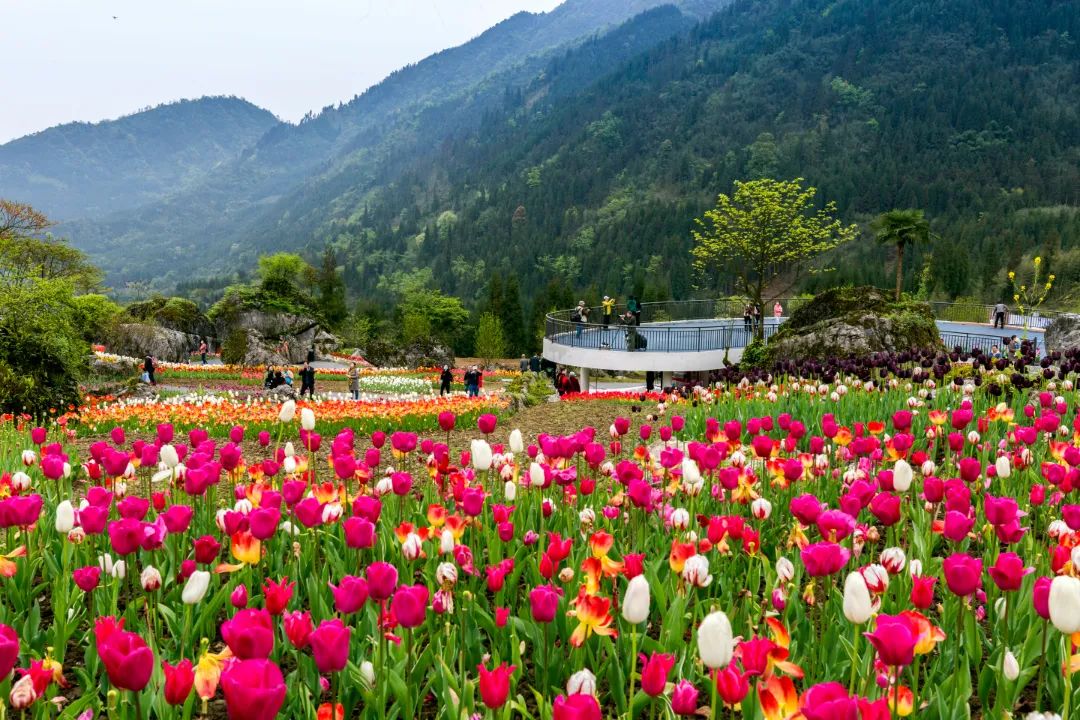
{"type": "Point", "coordinates": [139, 340]}
{"type": "Point", "coordinates": [1063, 333]}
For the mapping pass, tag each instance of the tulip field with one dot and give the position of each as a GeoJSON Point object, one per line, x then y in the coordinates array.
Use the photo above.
{"type": "Point", "coordinates": [875, 545]}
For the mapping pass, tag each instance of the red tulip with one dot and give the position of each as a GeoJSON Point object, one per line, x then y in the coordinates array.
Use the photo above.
{"type": "Point", "coordinates": [254, 689]}
{"type": "Point", "coordinates": [447, 420]}
{"type": "Point", "coordinates": [732, 685]}
{"type": "Point", "coordinates": [486, 423]}
{"type": "Point", "coordinates": [963, 573]}
{"type": "Point", "coordinates": [576, 707]}
{"type": "Point", "coordinates": [544, 602]}
{"type": "Point", "coordinates": [824, 558]}
{"type": "Point", "coordinates": [654, 672]}
{"type": "Point", "coordinates": [410, 605]}
{"type": "Point", "coordinates": [277, 595]}
{"type": "Point", "coordinates": [350, 594]}
{"type": "Point", "coordinates": [330, 645]}
{"type": "Point", "coordinates": [922, 591]}
{"type": "Point", "coordinates": [249, 634]}
{"type": "Point", "coordinates": [684, 699]}
{"type": "Point", "coordinates": [298, 628]}
{"type": "Point", "coordinates": [894, 640]}
{"type": "Point", "coordinates": [178, 681]}
{"type": "Point", "coordinates": [886, 508]}
{"type": "Point", "coordinates": [495, 685]}
{"type": "Point", "coordinates": [1008, 571]}
{"type": "Point", "coordinates": [9, 650]}
{"type": "Point", "coordinates": [127, 659]}
{"type": "Point", "coordinates": [239, 597]}
{"type": "Point", "coordinates": [207, 548]}
{"type": "Point", "coordinates": [87, 578]}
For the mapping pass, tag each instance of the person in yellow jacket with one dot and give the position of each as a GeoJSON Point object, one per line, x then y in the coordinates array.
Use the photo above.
{"type": "Point", "coordinates": [608, 307]}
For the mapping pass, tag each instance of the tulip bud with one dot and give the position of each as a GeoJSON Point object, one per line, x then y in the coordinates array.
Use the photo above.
{"type": "Point", "coordinates": [76, 536]}
{"type": "Point", "coordinates": [367, 674]}
{"type": "Point", "coordinates": [20, 481]}
{"type": "Point", "coordinates": [858, 607]}
{"type": "Point", "coordinates": [65, 517]}
{"type": "Point", "coordinates": [893, 560]}
{"type": "Point", "coordinates": [29, 457]}
{"type": "Point", "coordinates": [680, 519]}
{"type": "Point", "coordinates": [536, 475]}
{"type": "Point", "coordinates": [784, 570]}
{"type": "Point", "coordinates": [714, 640]}
{"type": "Point", "coordinates": [1010, 668]}
{"type": "Point", "coordinates": [915, 567]}
{"type": "Point", "coordinates": [583, 682]}
{"type": "Point", "coordinates": [587, 516]}
{"type": "Point", "coordinates": [517, 445]}
{"type": "Point", "coordinates": [635, 609]}
{"type": "Point", "coordinates": [902, 475]}
{"type": "Point", "coordinates": [446, 542]}
{"type": "Point", "coordinates": [1002, 468]}
{"type": "Point", "coordinates": [168, 456]}
{"type": "Point", "coordinates": [150, 578]}
{"type": "Point", "coordinates": [510, 491]}
{"type": "Point", "coordinates": [196, 586]}
{"type": "Point", "coordinates": [289, 466]}
{"type": "Point", "coordinates": [307, 419]}
{"type": "Point", "coordinates": [928, 468]}
{"type": "Point", "coordinates": [566, 575]}
{"type": "Point", "coordinates": [412, 547]}
{"type": "Point", "coordinates": [287, 411]}
{"type": "Point", "coordinates": [1064, 604]}
{"type": "Point", "coordinates": [481, 455]}
{"type": "Point", "coordinates": [1000, 607]}
{"type": "Point", "coordinates": [22, 693]}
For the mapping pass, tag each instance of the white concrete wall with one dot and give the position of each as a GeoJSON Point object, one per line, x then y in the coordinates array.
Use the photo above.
{"type": "Point", "coordinates": [624, 361]}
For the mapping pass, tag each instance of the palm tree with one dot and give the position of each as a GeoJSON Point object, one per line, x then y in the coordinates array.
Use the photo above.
{"type": "Point", "coordinates": [901, 228]}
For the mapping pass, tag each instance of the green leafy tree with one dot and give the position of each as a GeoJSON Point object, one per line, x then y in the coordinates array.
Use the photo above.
{"type": "Point", "coordinates": [512, 318]}
{"type": "Point", "coordinates": [285, 274]}
{"type": "Point", "coordinates": [331, 290]}
{"type": "Point", "coordinates": [764, 234]}
{"type": "Point", "coordinates": [490, 343]}
{"type": "Point", "coordinates": [28, 252]}
{"type": "Point", "coordinates": [94, 314]}
{"type": "Point", "coordinates": [901, 228]}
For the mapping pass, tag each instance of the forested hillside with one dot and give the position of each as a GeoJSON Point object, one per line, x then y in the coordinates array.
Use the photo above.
{"type": "Point", "coordinates": [89, 169]}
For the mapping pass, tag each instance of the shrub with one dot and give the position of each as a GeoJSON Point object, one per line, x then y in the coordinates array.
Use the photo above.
{"type": "Point", "coordinates": [235, 347]}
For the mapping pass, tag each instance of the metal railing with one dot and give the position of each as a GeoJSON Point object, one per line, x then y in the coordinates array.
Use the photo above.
{"type": "Point", "coordinates": [710, 325]}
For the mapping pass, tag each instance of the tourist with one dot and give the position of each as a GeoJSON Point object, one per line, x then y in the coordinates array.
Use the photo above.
{"type": "Point", "coordinates": [572, 384]}
{"type": "Point", "coordinates": [523, 364]}
{"type": "Point", "coordinates": [630, 324]}
{"type": "Point", "coordinates": [289, 377]}
{"type": "Point", "coordinates": [1015, 344]}
{"type": "Point", "coordinates": [650, 380]}
{"type": "Point", "coordinates": [148, 369]}
{"type": "Point", "coordinates": [562, 382]}
{"type": "Point", "coordinates": [579, 317]}
{"type": "Point", "coordinates": [202, 350]}
{"type": "Point", "coordinates": [268, 381]}
{"type": "Point", "coordinates": [608, 306]}
{"type": "Point", "coordinates": [995, 352]}
{"type": "Point", "coordinates": [1000, 311]}
{"type": "Point", "coordinates": [534, 363]}
{"type": "Point", "coordinates": [279, 379]}
{"type": "Point", "coordinates": [311, 354]}
{"type": "Point", "coordinates": [634, 308]}
{"type": "Point", "coordinates": [472, 381]}
{"type": "Point", "coordinates": [445, 378]}
{"type": "Point", "coordinates": [747, 317]}
{"type": "Point", "coordinates": [354, 381]}
{"type": "Point", "coordinates": [777, 311]}
{"type": "Point", "coordinates": [307, 380]}
{"type": "Point", "coordinates": [755, 316]}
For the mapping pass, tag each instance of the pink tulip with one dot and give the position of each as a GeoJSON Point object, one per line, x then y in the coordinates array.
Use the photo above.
{"type": "Point", "coordinates": [254, 689]}
{"type": "Point", "coordinates": [684, 699]}
{"type": "Point", "coordinates": [486, 423]}
{"type": "Point", "coordinates": [654, 672]}
{"type": "Point", "coordinates": [410, 605]}
{"type": "Point", "coordinates": [963, 573]}
{"type": "Point", "coordinates": [1008, 571]}
{"type": "Point", "coordinates": [249, 634]}
{"type": "Point", "coordinates": [382, 579]}
{"type": "Point", "coordinates": [495, 685]}
{"type": "Point", "coordinates": [824, 558]}
{"type": "Point", "coordinates": [330, 645]}
{"type": "Point", "coordinates": [350, 594]}
{"type": "Point", "coordinates": [894, 640]}
{"type": "Point", "coordinates": [359, 532]}
{"type": "Point", "coordinates": [87, 578]}
{"type": "Point", "coordinates": [544, 602]}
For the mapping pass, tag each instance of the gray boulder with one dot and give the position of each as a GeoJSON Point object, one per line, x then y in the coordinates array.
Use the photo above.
{"type": "Point", "coordinates": [139, 340]}
{"type": "Point", "coordinates": [1063, 332]}
{"type": "Point", "coordinates": [269, 332]}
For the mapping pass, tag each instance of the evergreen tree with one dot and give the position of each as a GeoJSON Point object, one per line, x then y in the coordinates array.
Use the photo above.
{"type": "Point", "coordinates": [513, 322]}
{"type": "Point", "coordinates": [331, 290]}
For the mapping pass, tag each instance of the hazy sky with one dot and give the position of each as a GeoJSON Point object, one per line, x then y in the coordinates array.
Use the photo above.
{"type": "Point", "coordinates": [70, 60]}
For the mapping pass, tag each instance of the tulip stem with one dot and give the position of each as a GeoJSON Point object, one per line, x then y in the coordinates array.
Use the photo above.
{"type": "Point", "coordinates": [854, 660]}
{"type": "Point", "coordinates": [1042, 667]}
{"type": "Point", "coordinates": [633, 664]}
{"type": "Point", "coordinates": [1065, 643]}
{"type": "Point", "coordinates": [712, 688]}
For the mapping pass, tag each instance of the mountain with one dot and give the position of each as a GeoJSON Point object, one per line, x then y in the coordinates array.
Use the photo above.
{"type": "Point", "coordinates": [219, 213]}
{"type": "Point", "coordinates": [90, 169]}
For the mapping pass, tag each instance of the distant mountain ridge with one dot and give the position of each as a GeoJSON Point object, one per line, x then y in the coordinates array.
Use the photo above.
{"type": "Point", "coordinates": [91, 169]}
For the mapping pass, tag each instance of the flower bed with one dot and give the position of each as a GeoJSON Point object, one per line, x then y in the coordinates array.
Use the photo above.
{"type": "Point", "coordinates": [795, 549]}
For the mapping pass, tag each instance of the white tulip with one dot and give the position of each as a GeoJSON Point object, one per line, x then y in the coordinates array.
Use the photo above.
{"type": "Point", "coordinates": [858, 607]}
{"type": "Point", "coordinates": [289, 466]}
{"type": "Point", "coordinates": [307, 419]}
{"type": "Point", "coordinates": [331, 513]}
{"type": "Point", "coordinates": [29, 457]}
{"type": "Point", "coordinates": [893, 559]}
{"type": "Point", "coordinates": [287, 411]}
{"type": "Point", "coordinates": [517, 445]}
{"type": "Point", "coordinates": [510, 491]}
{"type": "Point", "coordinates": [67, 470]}
{"type": "Point", "coordinates": [691, 473]}
{"type": "Point", "coordinates": [635, 609]}
{"type": "Point", "coordinates": [1010, 667]}
{"type": "Point", "coordinates": [150, 578]}
{"type": "Point", "coordinates": [583, 682]}
{"type": "Point", "coordinates": [587, 516]}
{"type": "Point", "coordinates": [536, 475]}
{"type": "Point", "coordinates": [367, 674]}
{"type": "Point", "coordinates": [696, 571]}
{"type": "Point", "coordinates": [481, 455]}
{"type": "Point", "coordinates": [1001, 607]}
{"type": "Point", "coordinates": [915, 567]}
{"type": "Point", "coordinates": [446, 573]}
{"type": "Point", "coordinates": [761, 509]}
{"type": "Point", "coordinates": [1065, 604]}
{"type": "Point", "coordinates": [385, 486]}
{"type": "Point", "coordinates": [65, 517]}
{"type": "Point", "coordinates": [196, 586]}
{"type": "Point", "coordinates": [20, 481]}
{"type": "Point", "coordinates": [680, 519]}
{"type": "Point", "coordinates": [446, 542]}
{"type": "Point", "coordinates": [168, 456]}
{"type": "Point", "coordinates": [290, 451]}
{"type": "Point", "coordinates": [785, 570]}
{"type": "Point", "coordinates": [119, 569]}
{"type": "Point", "coordinates": [1002, 467]}
{"type": "Point", "coordinates": [714, 640]}
{"type": "Point", "coordinates": [902, 475]}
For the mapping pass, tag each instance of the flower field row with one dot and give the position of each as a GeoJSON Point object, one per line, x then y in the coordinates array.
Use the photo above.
{"type": "Point", "coordinates": [795, 551]}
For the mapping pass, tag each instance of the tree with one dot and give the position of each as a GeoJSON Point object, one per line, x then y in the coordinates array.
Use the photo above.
{"type": "Point", "coordinates": [512, 318]}
{"type": "Point", "coordinates": [490, 344]}
{"type": "Point", "coordinates": [28, 252]}
{"type": "Point", "coordinates": [901, 228]}
{"type": "Point", "coordinates": [331, 290]}
{"type": "Point", "coordinates": [764, 235]}
{"type": "Point", "coordinates": [284, 273]}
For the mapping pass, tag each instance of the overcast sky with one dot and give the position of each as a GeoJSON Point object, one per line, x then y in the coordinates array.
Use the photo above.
{"type": "Point", "coordinates": [70, 60]}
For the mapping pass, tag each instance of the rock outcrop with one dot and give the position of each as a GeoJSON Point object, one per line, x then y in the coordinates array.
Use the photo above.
{"type": "Point", "coordinates": [425, 352]}
{"type": "Point", "coordinates": [1063, 333]}
{"type": "Point", "coordinates": [139, 340]}
{"type": "Point", "coordinates": [275, 338]}
{"type": "Point", "coordinates": [854, 322]}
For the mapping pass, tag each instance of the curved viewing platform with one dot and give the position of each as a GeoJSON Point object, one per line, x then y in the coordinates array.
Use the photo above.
{"type": "Point", "coordinates": [699, 335]}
